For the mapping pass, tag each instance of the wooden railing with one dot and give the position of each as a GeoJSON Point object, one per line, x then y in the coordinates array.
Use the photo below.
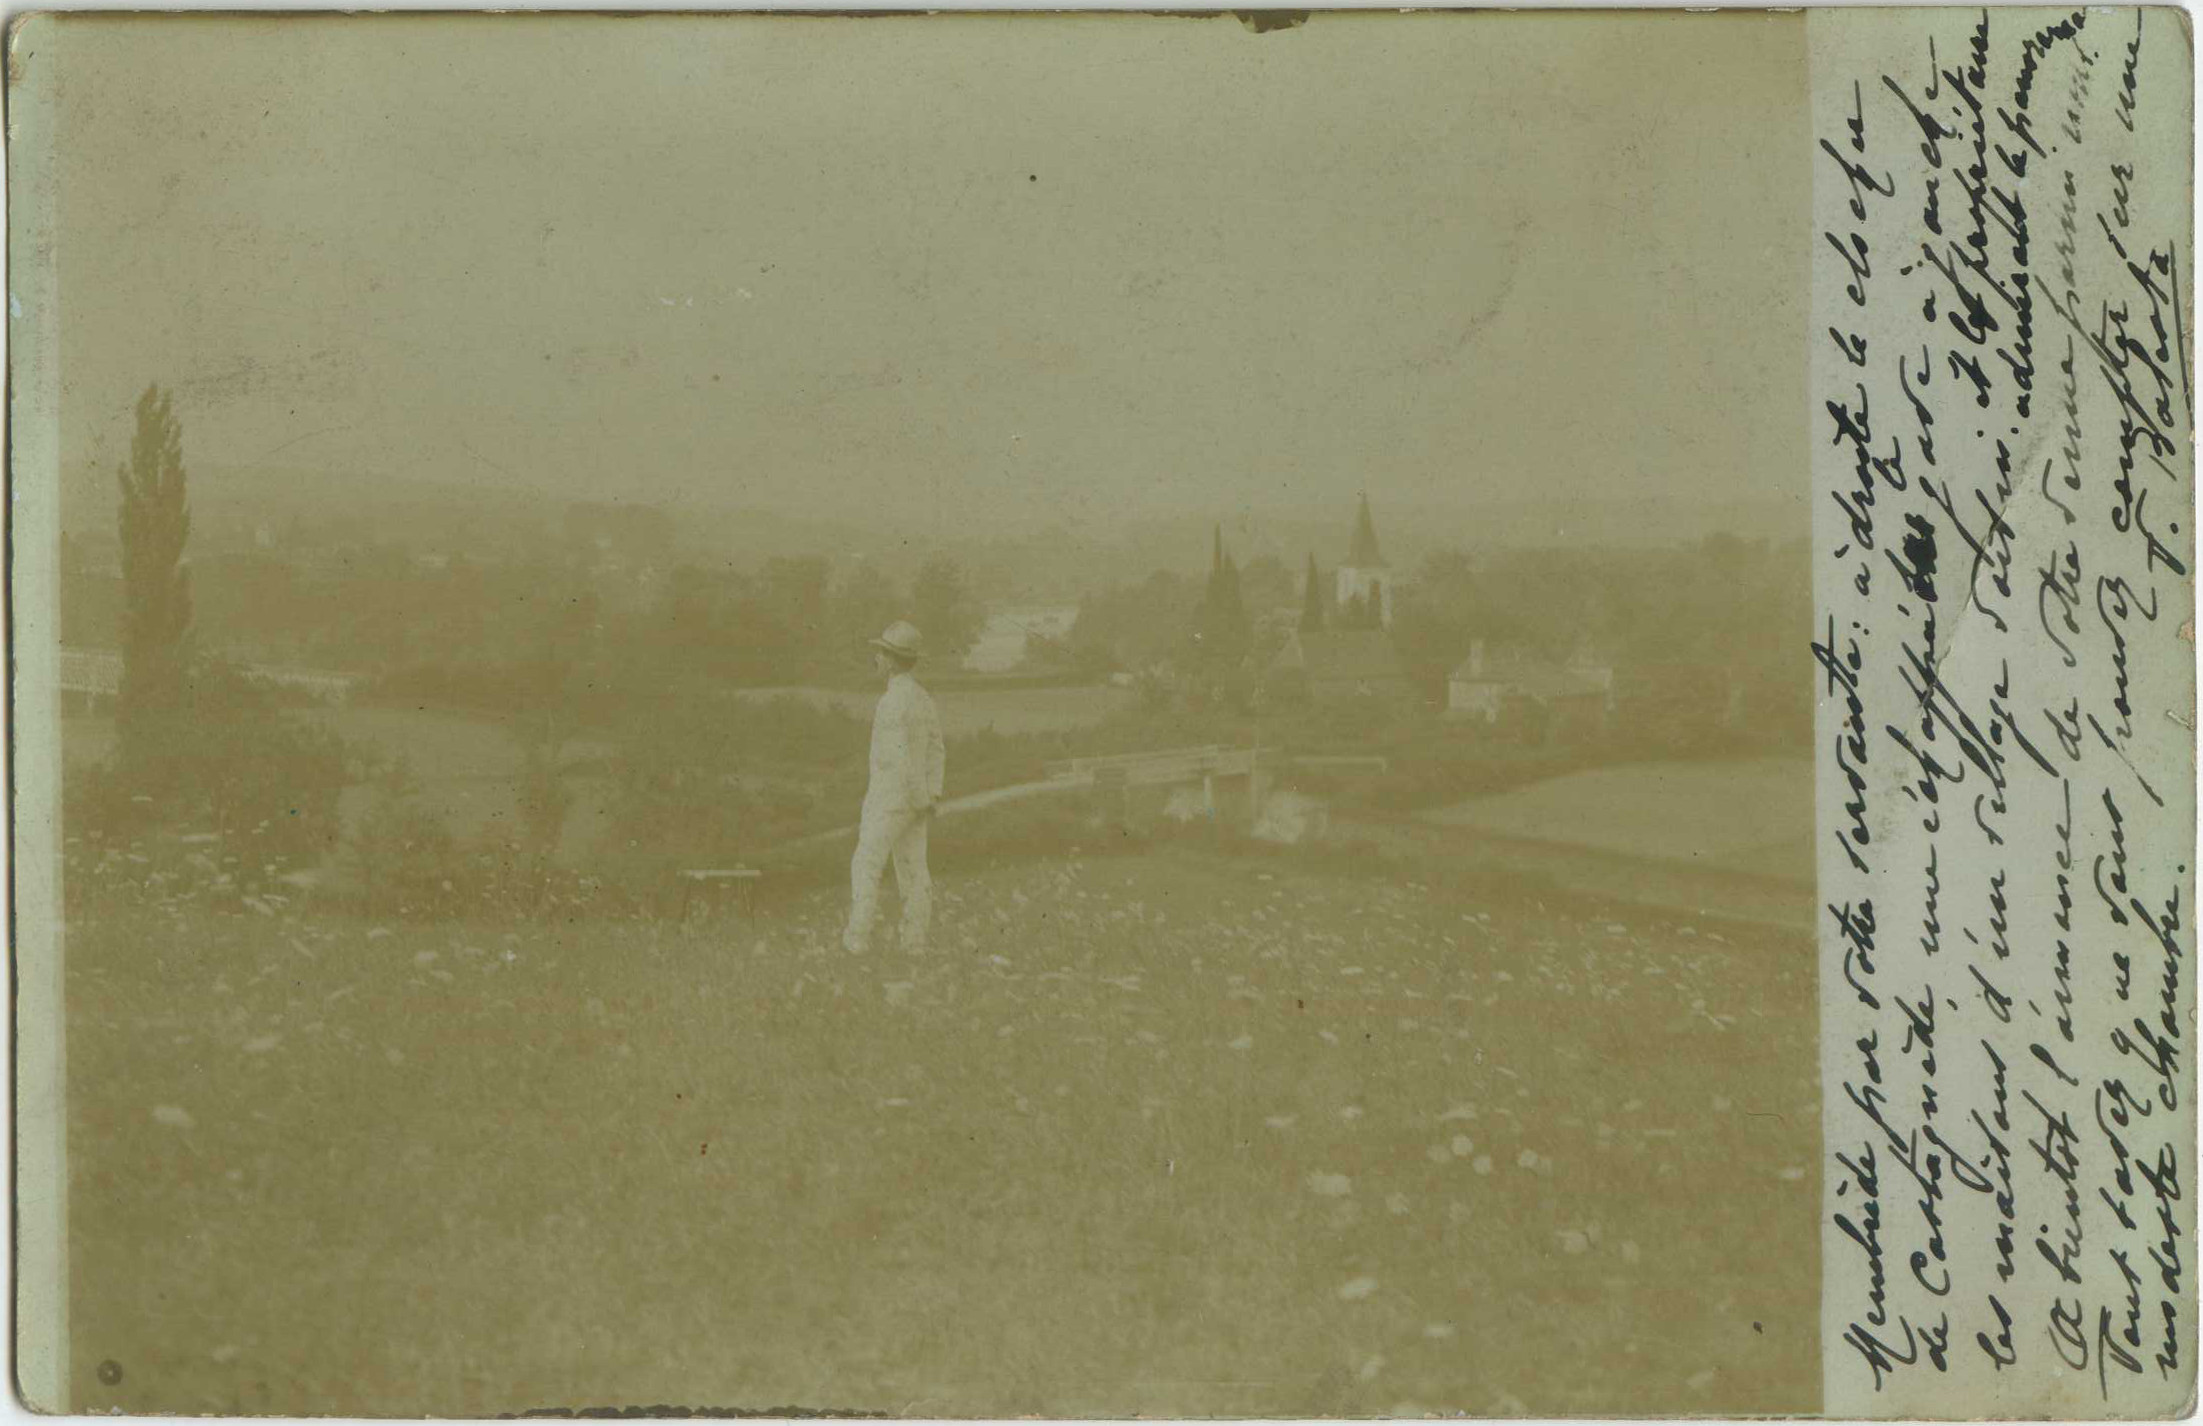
{"type": "Point", "coordinates": [1174, 765]}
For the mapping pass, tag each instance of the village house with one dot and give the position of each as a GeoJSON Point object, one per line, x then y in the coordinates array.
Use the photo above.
{"type": "Point", "coordinates": [1558, 699]}
{"type": "Point", "coordinates": [625, 551]}
{"type": "Point", "coordinates": [1339, 664]}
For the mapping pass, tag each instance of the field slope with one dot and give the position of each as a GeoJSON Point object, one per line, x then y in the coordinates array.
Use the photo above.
{"type": "Point", "coordinates": [1752, 816]}
{"type": "Point", "coordinates": [1187, 1134]}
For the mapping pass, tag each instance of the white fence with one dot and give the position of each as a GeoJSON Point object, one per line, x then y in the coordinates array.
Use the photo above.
{"type": "Point", "coordinates": [89, 671]}
{"type": "Point", "coordinates": [97, 673]}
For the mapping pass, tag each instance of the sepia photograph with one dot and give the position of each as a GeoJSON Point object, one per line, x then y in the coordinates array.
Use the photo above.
{"type": "Point", "coordinates": [933, 716]}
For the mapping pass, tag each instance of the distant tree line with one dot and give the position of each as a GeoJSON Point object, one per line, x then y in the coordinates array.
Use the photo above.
{"type": "Point", "coordinates": [507, 634]}
{"type": "Point", "coordinates": [1172, 621]}
{"type": "Point", "coordinates": [1706, 639]}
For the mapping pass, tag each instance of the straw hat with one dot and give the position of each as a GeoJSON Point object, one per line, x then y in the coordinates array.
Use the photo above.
{"type": "Point", "coordinates": [901, 640]}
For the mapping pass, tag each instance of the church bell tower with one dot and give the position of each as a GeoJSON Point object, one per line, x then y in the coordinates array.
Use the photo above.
{"type": "Point", "coordinates": [1365, 580]}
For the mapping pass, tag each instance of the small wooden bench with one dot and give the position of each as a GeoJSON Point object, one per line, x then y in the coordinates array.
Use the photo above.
{"type": "Point", "coordinates": [740, 878]}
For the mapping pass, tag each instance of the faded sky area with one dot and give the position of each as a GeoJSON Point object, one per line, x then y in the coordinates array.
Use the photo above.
{"type": "Point", "coordinates": [956, 272]}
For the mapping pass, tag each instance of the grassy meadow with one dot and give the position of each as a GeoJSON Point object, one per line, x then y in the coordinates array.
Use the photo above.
{"type": "Point", "coordinates": [1176, 1130]}
{"type": "Point", "coordinates": [1746, 815]}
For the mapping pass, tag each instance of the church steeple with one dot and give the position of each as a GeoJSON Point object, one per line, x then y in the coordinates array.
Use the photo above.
{"type": "Point", "coordinates": [1364, 554]}
{"type": "Point", "coordinates": [1365, 581]}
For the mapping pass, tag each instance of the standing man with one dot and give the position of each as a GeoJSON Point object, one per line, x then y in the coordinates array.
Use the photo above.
{"type": "Point", "coordinates": [908, 757]}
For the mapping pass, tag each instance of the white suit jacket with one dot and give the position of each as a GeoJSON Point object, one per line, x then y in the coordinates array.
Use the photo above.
{"type": "Point", "coordinates": [908, 754]}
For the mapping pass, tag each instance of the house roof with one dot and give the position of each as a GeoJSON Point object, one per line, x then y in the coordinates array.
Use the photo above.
{"type": "Point", "coordinates": [1355, 655]}
{"type": "Point", "coordinates": [1537, 679]}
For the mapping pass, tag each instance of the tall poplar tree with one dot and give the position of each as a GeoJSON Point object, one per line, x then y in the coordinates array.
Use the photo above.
{"type": "Point", "coordinates": [154, 522]}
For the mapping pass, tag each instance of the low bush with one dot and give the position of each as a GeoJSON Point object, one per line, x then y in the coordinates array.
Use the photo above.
{"type": "Point", "coordinates": [402, 857]}
{"type": "Point", "coordinates": [232, 761]}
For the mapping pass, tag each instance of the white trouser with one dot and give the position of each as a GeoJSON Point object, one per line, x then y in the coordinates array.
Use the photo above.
{"type": "Point", "coordinates": [900, 833]}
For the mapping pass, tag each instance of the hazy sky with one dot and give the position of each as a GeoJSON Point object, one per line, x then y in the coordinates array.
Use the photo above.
{"type": "Point", "coordinates": [948, 269]}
